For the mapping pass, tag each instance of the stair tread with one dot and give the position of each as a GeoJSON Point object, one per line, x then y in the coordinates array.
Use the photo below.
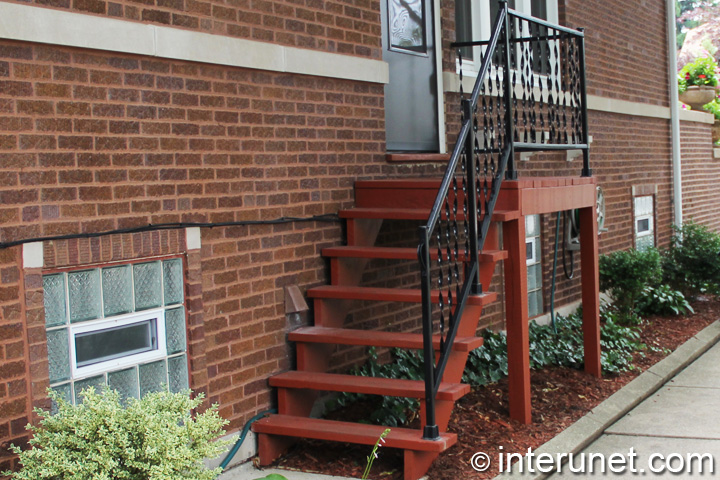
{"type": "Point", "coordinates": [408, 295]}
{"type": "Point", "coordinates": [394, 387]}
{"type": "Point", "coordinates": [398, 253]}
{"type": "Point", "coordinates": [413, 214]}
{"type": "Point", "coordinates": [348, 432]}
{"type": "Point", "coordinates": [345, 336]}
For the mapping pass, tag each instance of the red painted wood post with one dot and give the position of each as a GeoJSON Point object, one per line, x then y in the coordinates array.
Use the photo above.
{"type": "Point", "coordinates": [590, 289]}
{"type": "Point", "coordinates": [516, 306]}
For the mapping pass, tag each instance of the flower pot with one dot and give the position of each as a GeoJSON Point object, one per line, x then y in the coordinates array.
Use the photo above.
{"type": "Point", "coordinates": [716, 131]}
{"type": "Point", "coordinates": [697, 96]}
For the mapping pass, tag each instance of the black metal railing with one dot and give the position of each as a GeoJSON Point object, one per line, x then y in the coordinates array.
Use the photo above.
{"type": "Point", "coordinates": [529, 95]}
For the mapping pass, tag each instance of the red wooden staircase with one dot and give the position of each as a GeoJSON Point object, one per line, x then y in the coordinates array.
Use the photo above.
{"type": "Point", "coordinates": [458, 247]}
{"type": "Point", "coordinates": [298, 390]}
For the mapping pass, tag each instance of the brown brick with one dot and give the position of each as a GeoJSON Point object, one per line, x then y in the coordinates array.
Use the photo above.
{"type": "Point", "coordinates": [91, 6]}
{"type": "Point", "coordinates": [156, 16]}
{"type": "Point", "coordinates": [15, 88]}
{"type": "Point", "coordinates": [38, 142]}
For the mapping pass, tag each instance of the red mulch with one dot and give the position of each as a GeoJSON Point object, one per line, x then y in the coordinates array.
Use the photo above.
{"type": "Point", "coordinates": [560, 396]}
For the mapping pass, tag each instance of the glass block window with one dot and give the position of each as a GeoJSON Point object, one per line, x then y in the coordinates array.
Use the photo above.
{"type": "Point", "coordinates": [644, 210]}
{"type": "Point", "coordinates": [534, 265]}
{"type": "Point", "coordinates": [122, 326]}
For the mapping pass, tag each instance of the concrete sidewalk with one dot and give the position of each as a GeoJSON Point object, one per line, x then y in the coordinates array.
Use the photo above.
{"type": "Point", "coordinates": [682, 418]}
{"type": "Point", "coordinates": [672, 409]}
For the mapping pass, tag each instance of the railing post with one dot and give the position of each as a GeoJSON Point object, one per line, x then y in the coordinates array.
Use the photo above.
{"type": "Point", "coordinates": [471, 194]}
{"type": "Point", "coordinates": [431, 430]}
{"type": "Point", "coordinates": [510, 173]}
{"type": "Point", "coordinates": [586, 170]}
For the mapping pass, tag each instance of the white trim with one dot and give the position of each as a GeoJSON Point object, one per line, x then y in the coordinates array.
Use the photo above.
{"type": "Point", "coordinates": [43, 25]}
{"type": "Point", "coordinates": [442, 134]}
{"type": "Point", "coordinates": [716, 152]}
{"type": "Point", "coordinates": [193, 238]}
{"type": "Point", "coordinates": [696, 116]}
{"type": "Point", "coordinates": [32, 255]}
{"type": "Point", "coordinates": [624, 107]}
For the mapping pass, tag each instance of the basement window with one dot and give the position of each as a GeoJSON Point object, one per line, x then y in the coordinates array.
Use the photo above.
{"type": "Point", "coordinates": [122, 326]}
{"type": "Point", "coordinates": [534, 265]}
{"type": "Point", "coordinates": [644, 224]}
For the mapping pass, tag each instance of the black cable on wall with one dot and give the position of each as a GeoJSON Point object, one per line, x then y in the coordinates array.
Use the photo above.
{"type": "Point", "coordinates": [330, 217]}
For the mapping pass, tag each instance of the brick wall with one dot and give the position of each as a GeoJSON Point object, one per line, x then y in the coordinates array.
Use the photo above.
{"type": "Point", "coordinates": [348, 27]}
{"type": "Point", "coordinates": [626, 47]}
{"type": "Point", "coordinates": [699, 175]}
{"type": "Point", "coordinates": [94, 142]}
{"type": "Point", "coordinates": [14, 363]}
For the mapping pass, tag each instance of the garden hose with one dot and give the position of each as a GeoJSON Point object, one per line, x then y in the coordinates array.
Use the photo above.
{"type": "Point", "coordinates": [241, 439]}
{"type": "Point", "coordinates": [570, 275]}
{"type": "Point", "coordinates": [554, 274]}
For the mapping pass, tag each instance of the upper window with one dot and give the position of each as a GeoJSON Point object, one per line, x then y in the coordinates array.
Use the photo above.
{"type": "Point", "coordinates": [474, 20]}
{"type": "Point", "coordinates": [121, 326]}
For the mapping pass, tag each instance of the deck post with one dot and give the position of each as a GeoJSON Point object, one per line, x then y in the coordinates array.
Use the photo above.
{"type": "Point", "coordinates": [590, 289]}
{"type": "Point", "coordinates": [516, 306]}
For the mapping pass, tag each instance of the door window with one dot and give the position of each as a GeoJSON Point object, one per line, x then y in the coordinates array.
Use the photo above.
{"type": "Point", "coordinates": [407, 25]}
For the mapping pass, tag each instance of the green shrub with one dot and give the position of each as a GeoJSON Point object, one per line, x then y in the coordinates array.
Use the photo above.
{"type": "Point", "coordinates": [662, 300]}
{"type": "Point", "coordinates": [563, 347]}
{"type": "Point", "coordinates": [390, 411]}
{"type": "Point", "coordinates": [489, 363]}
{"type": "Point", "coordinates": [625, 274]}
{"type": "Point", "coordinates": [154, 438]}
{"type": "Point", "coordinates": [692, 264]}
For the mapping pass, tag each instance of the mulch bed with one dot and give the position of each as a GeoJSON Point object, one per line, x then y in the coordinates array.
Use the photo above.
{"type": "Point", "coordinates": [560, 396]}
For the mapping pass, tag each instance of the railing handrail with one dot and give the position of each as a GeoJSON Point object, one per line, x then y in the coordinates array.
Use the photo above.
{"type": "Point", "coordinates": [467, 145]}
{"type": "Point", "coordinates": [465, 128]}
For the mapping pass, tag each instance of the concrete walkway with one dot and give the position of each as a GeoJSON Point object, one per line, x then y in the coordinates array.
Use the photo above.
{"type": "Point", "coordinates": [669, 412]}
{"type": "Point", "coordinates": [682, 418]}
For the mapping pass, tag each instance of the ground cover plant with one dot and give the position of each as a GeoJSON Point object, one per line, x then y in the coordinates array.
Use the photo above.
{"type": "Point", "coordinates": [154, 438]}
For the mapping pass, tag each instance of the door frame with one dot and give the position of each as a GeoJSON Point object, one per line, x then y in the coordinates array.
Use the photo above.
{"type": "Point", "coordinates": [437, 29]}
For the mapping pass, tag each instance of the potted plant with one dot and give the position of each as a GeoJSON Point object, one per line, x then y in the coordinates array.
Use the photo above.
{"type": "Point", "coordinates": [697, 81]}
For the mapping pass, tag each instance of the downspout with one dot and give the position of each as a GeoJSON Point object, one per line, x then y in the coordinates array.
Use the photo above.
{"type": "Point", "coordinates": [674, 114]}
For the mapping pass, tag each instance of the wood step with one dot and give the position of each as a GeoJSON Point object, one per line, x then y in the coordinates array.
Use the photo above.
{"type": "Point", "coordinates": [377, 338]}
{"type": "Point", "coordinates": [406, 295]}
{"type": "Point", "coordinates": [348, 432]}
{"type": "Point", "coordinates": [396, 253]}
{"type": "Point", "coordinates": [414, 214]}
{"type": "Point", "coordinates": [392, 387]}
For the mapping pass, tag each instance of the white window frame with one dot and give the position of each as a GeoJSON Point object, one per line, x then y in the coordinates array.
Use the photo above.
{"type": "Point", "coordinates": [158, 314]}
{"type": "Point", "coordinates": [644, 212]}
{"type": "Point", "coordinates": [482, 25]}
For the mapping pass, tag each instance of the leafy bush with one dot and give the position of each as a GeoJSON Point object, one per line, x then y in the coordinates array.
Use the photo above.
{"type": "Point", "coordinates": [562, 348]}
{"type": "Point", "coordinates": [391, 411]}
{"type": "Point", "coordinates": [489, 363]}
{"type": "Point", "coordinates": [625, 274]}
{"type": "Point", "coordinates": [692, 264]}
{"type": "Point", "coordinates": [662, 300]}
{"type": "Point", "coordinates": [713, 107]}
{"type": "Point", "coordinates": [154, 438]}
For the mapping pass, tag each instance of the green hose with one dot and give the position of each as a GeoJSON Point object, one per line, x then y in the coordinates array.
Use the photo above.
{"type": "Point", "coordinates": [552, 292]}
{"type": "Point", "coordinates": [244, 433]}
